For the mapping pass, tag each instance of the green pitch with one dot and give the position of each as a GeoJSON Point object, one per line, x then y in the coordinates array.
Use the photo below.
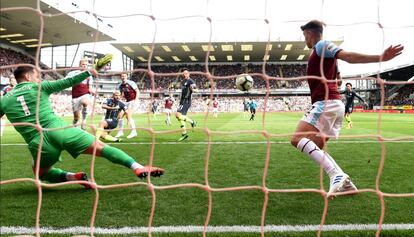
{"type": "Point", "coordinates": [236, 159]}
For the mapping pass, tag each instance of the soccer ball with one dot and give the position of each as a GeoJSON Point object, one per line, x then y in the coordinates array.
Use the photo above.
{"type": "Point", "coordinates": [244, 82]}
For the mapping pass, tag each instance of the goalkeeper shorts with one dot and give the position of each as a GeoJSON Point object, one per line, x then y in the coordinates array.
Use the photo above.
{"type": "Point", "coordinates": [72, 139]}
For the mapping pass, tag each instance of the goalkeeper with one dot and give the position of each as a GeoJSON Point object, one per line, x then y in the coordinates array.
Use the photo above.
{"type": "Point", "coordinates": [20, 106]}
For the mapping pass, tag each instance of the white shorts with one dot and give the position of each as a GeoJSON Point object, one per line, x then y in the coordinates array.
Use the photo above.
{"type": "Point", "coordinates": [215, 110]}
{"type": "Point", "coordinates": [132, 105]}
{"type": "Point", "coordinates": [168, 111]}
{"type": "Point", "coordinates": [326, 116]}
{"type": "Point", "coordinates": [77, 102]}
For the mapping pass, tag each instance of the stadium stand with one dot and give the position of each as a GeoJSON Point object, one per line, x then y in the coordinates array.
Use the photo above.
{"type": "Point", "coordinates": [284, 96]}
{"type": "Point", "coordinates": [223, 70]}
{"type": "Point", "coordinates": [10, 57]}
{"type": "Point", "coordinates": [403, 96]}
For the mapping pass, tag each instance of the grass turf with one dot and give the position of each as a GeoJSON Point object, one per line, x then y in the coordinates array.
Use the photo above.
{"type": "Point", "coordinates": [236, 159]}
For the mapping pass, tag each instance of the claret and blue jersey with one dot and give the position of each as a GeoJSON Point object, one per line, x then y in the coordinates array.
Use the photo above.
{"type": "Point", "coordinates": [328, 51]}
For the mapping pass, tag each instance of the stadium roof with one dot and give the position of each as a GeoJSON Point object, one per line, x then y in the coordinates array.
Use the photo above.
{"type": "Point", "coordinates": [220, 52]}
{"type": "Point", "coordinates": [21, 27]}
{"type": "Point", "coordinates": [401, 73]}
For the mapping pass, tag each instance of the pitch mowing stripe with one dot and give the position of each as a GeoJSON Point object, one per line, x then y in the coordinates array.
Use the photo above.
{"type": "Point", "coordinates": [223, 142]}
{"type": "Point", "coordinates": [215, 229]}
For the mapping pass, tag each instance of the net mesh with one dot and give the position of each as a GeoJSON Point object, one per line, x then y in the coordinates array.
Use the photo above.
{"type": "Point", "coordinates": [267, 136]}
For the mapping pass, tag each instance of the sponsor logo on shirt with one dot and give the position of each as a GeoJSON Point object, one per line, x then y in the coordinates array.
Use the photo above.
{"type": "Point", "coordinates": [330, 47]}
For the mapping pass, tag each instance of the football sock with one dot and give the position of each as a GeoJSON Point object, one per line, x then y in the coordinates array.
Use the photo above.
{"type": "Point", "coordinates": [185, 119]}
{"type": "Point", "coordinates": [121, 125]}
{"type": "Point", "coordinates": [54, 175]}
{"type": "Point", "coordinates": [348, 118]}
{"type": "Point", "coordinates": [309, 148]}
{"type": "Point", "coordinates": [189, 120]}
{"type": "Point", "coordinates": [132, 124]}
{"type": "Point", "coordinates": [182, 119]}
{"type": "Point", "coordinates": [117, 156]}
{"type": "Point", "coordinates": [135, 166]}
{"type": "Point", "coordinates": [182, 124]}
{"type": "Point", "coordinates": [75, 121]}
{"type": "Point", "coordinates": [70, 176]}
{"type": "Point", "coordinates": [84, 113]}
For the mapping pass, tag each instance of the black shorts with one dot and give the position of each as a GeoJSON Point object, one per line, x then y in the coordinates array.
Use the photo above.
{"type": "Point", "coordinates": [183, 108]}
{"type": "Point", "coordinates": [111, 123]}
{"type": "Point", "coordinates": [348, 109]}
{"type": "Point", "coordinates": [253, 111]}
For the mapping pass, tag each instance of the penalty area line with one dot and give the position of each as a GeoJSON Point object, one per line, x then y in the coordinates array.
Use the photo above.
{"type": "Point", "coordinates": [214, 229]}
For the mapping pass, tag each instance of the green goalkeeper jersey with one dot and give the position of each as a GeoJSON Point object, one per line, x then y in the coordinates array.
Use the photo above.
{"type": "Point", "coordinates": [20, 104]}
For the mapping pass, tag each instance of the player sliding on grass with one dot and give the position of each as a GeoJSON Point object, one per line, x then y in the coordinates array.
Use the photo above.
{"type": "Point", "coordinates": [326, 115]}
{"type": "Point", "coordinates": [115, 109]}
{"type": "Point", "coordinates": [20, 106]}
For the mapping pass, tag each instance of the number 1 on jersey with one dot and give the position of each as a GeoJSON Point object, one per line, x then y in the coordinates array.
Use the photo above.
{"type": "Point", "coordinates": [24, 105]}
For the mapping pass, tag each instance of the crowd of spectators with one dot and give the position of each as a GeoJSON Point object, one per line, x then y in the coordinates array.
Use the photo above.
{"type": "Point", "coordinates": [12, 57]}
{"type": "Point", "coordinates": [223, 76]}
{"type": "Point", "coordinates": [273, 104]}
{"type": "Point", "coordinates": [62, 104]}
{"type": "Point", "coordinates": [168, 77]}
{"type": "Point", "coordinates": [405, 96]}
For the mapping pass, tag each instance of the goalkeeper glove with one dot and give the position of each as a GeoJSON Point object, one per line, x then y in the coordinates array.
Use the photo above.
{"type": "Point", "coordinates": [101, 63]}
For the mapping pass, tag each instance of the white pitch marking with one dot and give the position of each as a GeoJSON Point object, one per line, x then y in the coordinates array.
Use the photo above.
{"type": "Point", "coordinates": [225, 142]}
{"type": "Point", "coordinates": [215, 229]}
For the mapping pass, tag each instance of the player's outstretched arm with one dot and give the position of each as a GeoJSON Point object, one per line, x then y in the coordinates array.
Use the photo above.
{"type": "Point", "coordinates": [392, 52]}
{"type": "Point", "coordinates": [59, 85]}
{"type": "Point", "coordinates": [388, 54]}
{"type": "Point", "coordinates": [359, 97]}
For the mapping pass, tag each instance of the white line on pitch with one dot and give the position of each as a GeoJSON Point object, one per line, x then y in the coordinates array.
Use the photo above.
{"type": "Point", "coordinates": [216, 229]}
